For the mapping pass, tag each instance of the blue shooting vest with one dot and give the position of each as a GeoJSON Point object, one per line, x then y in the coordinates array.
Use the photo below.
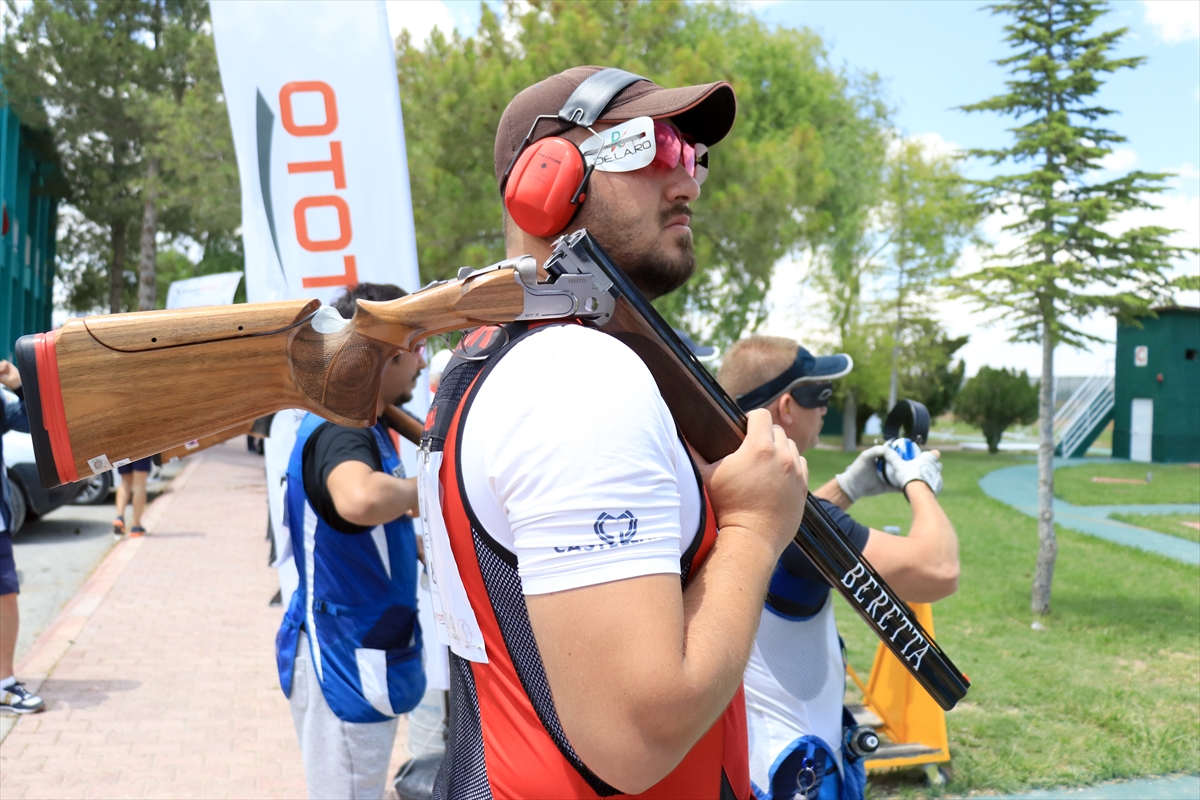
{"type": "Point", "coordinates": [356, 600]}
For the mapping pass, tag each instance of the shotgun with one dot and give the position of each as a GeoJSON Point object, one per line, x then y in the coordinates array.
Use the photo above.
{"type": "Point", "coordinates": [712, 423]}
{"type": "Point", "coordinates": [102, 391]}
{"type": "Point", "coordinates": [95, 386]}
{"type": "Point", "coordinates": [405, 423]}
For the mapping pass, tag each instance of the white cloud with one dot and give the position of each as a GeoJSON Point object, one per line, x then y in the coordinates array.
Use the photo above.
{"type": "Point", "coordinates": [1175, 20]}
{"type": "Point", "coordinates": [936, 145]}
{"type": "Point", "coordinates": [419, 18]}
{"type": "Point", "coordinates": [1187, 172]}
{"type": "Point", "coordinates": [1119, 160]}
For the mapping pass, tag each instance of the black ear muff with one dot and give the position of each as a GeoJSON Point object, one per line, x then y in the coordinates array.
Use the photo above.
{"type": "Point", "coordinates": [543, 190]}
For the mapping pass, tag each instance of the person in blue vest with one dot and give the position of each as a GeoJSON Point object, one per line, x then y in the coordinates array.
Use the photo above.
{"type": "Point", "coordinates": [803, 742]}
{"type": "Point", "coordinates": [349, 648]}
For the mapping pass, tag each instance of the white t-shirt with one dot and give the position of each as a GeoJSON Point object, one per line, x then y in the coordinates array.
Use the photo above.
{"type": "Point", "coordinates": [572, 462]}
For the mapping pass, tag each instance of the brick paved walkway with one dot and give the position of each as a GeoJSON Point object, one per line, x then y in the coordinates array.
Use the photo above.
{"type": "Point", "coordinates": [159, 678]}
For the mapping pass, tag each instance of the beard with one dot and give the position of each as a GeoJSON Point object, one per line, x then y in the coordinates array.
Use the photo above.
{"type": "Point", "coordinates": [636, 249]}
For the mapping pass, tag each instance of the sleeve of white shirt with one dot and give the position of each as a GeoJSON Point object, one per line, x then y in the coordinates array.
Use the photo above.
{"type": "Point", "coordinates": [572, 461]}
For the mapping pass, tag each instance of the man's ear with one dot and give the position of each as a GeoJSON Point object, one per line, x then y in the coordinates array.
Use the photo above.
{"type": "Point", "coordinates": [784, 409]}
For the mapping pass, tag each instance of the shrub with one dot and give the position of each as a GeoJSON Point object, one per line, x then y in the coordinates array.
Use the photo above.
{"type": "Point", "coordinates": [995, 399]}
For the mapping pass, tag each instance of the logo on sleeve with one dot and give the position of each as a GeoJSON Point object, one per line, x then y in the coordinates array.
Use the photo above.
{"type": "Point", "coordinates": [612, 531]}
{"type": "Point", "coordinates": [620, 530]}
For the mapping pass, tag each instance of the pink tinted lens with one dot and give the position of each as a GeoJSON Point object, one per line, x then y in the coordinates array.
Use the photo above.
{"type": "Point", "coordinates": [671, 149]}
{"type": "Point", "coordinates": [667, 146]}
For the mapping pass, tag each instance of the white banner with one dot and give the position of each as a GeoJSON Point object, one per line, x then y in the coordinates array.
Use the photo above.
{"type": "Point", "coordinates": [206, 290]}
{"type": "Point", "coordinates": [314, 104]}
{"type": "Point", "coordinates": [315, 108]}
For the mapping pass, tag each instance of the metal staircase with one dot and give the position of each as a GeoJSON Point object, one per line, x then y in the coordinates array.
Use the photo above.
{"type": "Point", "coordinates": [1085, 414]}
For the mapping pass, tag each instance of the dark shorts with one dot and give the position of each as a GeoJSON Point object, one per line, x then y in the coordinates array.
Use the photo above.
{"type": "Point", "coordinates": [141, 465]}
{"type": "Point", "coordinates": [8, 565]}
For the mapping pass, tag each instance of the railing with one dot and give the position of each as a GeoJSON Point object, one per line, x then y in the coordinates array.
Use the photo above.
{"type": "Point", "coordinates": [1084, 410]}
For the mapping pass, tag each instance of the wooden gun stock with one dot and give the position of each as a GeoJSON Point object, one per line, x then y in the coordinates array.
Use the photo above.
{"type": "Point", "coordinates": [107, 389]}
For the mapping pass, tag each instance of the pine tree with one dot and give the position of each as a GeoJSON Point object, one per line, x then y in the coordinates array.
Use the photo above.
{"type": "Point", "coordinates": [1069, 263]}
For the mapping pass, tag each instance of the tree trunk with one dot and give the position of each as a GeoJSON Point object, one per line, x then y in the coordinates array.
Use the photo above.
{"type": "Point", "coordinates": [147, 273]}
{"type": "Point", "coordinates": [850, 424]}
{"type": "Point", "coordinates": [894, 391]}
{"type": "Point", "coordinates": [1043, 575]}
{"type": "Point", "coordinates": [116, 270]}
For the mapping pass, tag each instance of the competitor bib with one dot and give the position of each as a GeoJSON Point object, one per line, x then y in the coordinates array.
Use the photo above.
{"type": "Point", "coordinates": [454, 619]}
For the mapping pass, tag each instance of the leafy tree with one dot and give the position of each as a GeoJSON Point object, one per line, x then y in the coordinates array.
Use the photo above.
{"type": "Point", "coordinates": [79, 62]}
{"type": "Point", "coordinates": [996, 399]}
{"type": "Point", "coordinates": [771, 181]}
{"type": "Point", "coordinates": [101, 78]}
{"type": "Point", "coordinates": [840, 255]}
{"type": "Point", "coordinates": [902, 226]}
{"type": "Point", "coordinates": [927, 215]}
{"type": "Point", "coordinates": [929, 372]}
{"type": "Point", "coordinates": [1068, 263]}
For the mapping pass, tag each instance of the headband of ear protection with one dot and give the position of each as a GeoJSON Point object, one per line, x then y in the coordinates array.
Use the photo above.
{"type": "Point", "coordinates": [546, 182]}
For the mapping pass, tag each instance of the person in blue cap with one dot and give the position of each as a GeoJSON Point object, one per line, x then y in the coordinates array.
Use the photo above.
{"type": "Point", "coordinates": [796, 679]}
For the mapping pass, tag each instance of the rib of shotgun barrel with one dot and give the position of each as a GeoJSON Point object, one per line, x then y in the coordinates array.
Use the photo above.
{"type": "Point", "coordinates": [715, 426]}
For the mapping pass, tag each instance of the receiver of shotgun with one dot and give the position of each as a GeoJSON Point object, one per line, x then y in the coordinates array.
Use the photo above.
{"type": "Point", "coordinates": [713, 424]}
{"type": "Point", "coordinates": [105, 390]}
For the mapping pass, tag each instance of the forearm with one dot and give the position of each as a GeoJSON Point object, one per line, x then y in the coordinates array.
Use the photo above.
{"type": "Point", "coordinates": [677, 665]}
{"type": "Point", "coordinates": [832, 492]}
{"type": "Point", "coordinates": [927, 569]}
{"type": "Point", "coordinates": [721, 611]}
{"type": "Point", "coordinates": [377, 500]}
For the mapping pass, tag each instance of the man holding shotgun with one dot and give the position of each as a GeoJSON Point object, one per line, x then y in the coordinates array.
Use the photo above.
{"type": "Point", "coordinates": [796, 679]}
{"type": "Point", "coordinates": [599, 626]}
{"type": "Point", "coordinates": [349, 648]}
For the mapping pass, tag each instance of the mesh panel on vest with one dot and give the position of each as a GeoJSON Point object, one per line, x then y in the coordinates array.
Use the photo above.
{"type": "Point", "coordinates": [779, 640]}
{"type": "Point", "coordinates": [508, 602]}
{"type": "Point", "coordinates": [463, 774]}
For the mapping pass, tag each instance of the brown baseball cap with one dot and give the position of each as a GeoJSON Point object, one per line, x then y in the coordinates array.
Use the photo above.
{"type": "Point", "coordinates": [706, 112]}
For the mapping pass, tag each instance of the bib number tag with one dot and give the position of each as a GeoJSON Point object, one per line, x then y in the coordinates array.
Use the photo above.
{"type": "Point", "coordinates": [454, 619]}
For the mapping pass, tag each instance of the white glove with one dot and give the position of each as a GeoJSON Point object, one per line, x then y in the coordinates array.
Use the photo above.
{"type": "Point", "coordinates": [862, 479]}
{"type": "Point", "coordinates": [925, 468]}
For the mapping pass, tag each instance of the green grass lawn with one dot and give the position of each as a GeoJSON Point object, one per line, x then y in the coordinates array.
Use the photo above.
{"type": "Point", "coordinates": [1164, 523]}
{"type": "Point", "coordinates": [1171, 483]}
{"type": "Point", "coordinates": [1110, 689]}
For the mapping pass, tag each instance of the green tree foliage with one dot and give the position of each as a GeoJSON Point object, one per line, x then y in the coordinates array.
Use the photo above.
{"type": "Point", "coordinates": [1069, 262]}
{"type": "Point", "coordinates": [927, 215]}
{"type": "Point", "coordinates": [773, 181]}
{"type": "Point", "coordinates": [116, 84]}
{"type": "Point", "coordinates": [995, 400]}
{"type": "Point", "coordinates": [895, 232]}
{"type": "Point", "coordinates": [74, 67]}
{"type": "Point", "coordinates": [929, 371]}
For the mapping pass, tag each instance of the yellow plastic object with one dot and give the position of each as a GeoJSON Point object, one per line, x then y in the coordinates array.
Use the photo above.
{"type": "Point", "coordinates": [912, 721]}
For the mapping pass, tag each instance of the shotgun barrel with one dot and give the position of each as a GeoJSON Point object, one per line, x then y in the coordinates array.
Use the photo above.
{"type": "Point", "coordinates": [712, 423]}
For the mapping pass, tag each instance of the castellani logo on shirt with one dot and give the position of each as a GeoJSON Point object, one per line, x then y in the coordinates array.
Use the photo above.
{"type": "Point", "coordinates": [613, 532]}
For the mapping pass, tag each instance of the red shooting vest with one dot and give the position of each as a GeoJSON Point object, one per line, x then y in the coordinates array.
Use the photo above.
{"type": "Point", "coordinates": [505, 737]}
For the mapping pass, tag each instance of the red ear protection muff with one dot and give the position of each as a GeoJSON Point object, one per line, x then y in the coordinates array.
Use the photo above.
{"type": "Point", "coordinates": [546, 183]}
{"type": "Point", "coordinates": [545, 187]}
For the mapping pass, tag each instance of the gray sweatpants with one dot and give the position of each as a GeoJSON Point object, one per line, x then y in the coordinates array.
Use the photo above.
{"type": "Point", "coordinates": [342, 760]}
